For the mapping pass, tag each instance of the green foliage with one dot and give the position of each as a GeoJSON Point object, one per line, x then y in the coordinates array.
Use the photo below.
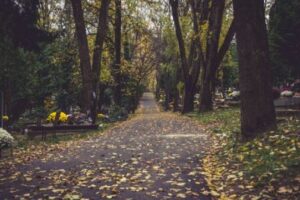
{"type": "Point", "coordinates": [180, 87]}
{"type": "Point", "coordinates": [132, 91]}
{"type": "Point", "coordinates": [228, 121]}
{"type": "Point", "coordinates": [117, 113]}
{"type": "Point", "coordinates": [284, 29]}
{"type": "Point", "coordinates": [56, 66]}
{"type": "Point", "coordinates": [230, 76]}
{"type": "Point", "coordinates": [230, 71]}
{"type": "Point", "coordinates": [34, 65]}
{"type": "Point", "coordinates": [32, 77]}
{"type": "Point", "coordinates": [258, 163]}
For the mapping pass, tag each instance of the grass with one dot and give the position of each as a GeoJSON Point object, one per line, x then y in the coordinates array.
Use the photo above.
{"type": "Point", "coordinates": [260, 162]}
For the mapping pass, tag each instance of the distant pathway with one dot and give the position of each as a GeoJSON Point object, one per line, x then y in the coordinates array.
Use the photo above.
{"type": "Point", "coordinates": [155, 155]}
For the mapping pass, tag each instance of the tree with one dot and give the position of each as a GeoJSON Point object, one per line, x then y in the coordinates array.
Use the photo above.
{"type": "Point", "coordinates": [85, 63]}
{"type": "Point", "coordinates": [90, 72]}
{"type": "Point", "coordinates": [166, 53]}
{"type": "Point", "coordinates": [20, 40]}
{"type": "Point", "coordinates": [257, 109]}
{"type": "Point", "coordinates": [214, 54]}
{"type": "Point", "coordinates": [118, 42]}
{"type": "Point", "coordinates": [284, 30]}
{"type": "Point", "coordinates": [142, 63]}
{"type": "Point", "coordinates": [207, 19]}
{"type": "Point", "coordinates": [190, 65]}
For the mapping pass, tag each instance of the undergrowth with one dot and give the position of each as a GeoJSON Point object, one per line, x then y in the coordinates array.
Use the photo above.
{"type": "Point", "coordinates": [255, 168]}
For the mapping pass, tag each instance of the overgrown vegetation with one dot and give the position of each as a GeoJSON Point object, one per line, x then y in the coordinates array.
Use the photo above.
{"type": "Point", "coordinates": [268, 165]}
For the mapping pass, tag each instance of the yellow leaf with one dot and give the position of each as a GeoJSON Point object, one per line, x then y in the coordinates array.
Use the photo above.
{"type": "Point", "coordinates": [181, 195]}
{"type": "Point", "coordinates": [214, 193]}
{"type": "Point", "coordinates": [283, 190]}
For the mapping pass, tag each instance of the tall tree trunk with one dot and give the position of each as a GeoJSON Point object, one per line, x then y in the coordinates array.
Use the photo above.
{"type": "Point", "coordinates": [181, 45]}
{"type": "Point", "coordinates": [188, 99]}
{"type": "Point", "coordinates": [85, 65]}
{"type": "Point", "coordinates": [97, 56]}
{"type": "Point", "coordinates": [191, 65]}
{"type": "Point", "coordinates": [206, 99]}
{"type": "Point", "coordinates": [90, 73]}
{"type": "Point", "coordinates": [176, 101]}
{"type": "Point", "coordinates": [117, 64]}
{"type": "Point", "coordinates": [176, 95]}
{"type": "Point", "coordinates": [257, 109]}
{"type": "Point", "coordinates": [167, 100]}
{"type": "Point", "coordinates": [215, 25]}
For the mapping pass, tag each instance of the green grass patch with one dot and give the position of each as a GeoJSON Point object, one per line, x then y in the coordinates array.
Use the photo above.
{"type": "Point", "coordinates": [269, 156]}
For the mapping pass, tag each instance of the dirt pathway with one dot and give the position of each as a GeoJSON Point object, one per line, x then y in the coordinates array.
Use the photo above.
{"type": "Point", "coordinates": [155, 155]}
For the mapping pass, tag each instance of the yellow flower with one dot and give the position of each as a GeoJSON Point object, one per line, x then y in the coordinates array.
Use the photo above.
{"type": "Point", "coordinates": [62, 118]}
{"type": "Point", "coordinates": [101, 116]}
{"type": "Point", "coordinates": [5, 118]}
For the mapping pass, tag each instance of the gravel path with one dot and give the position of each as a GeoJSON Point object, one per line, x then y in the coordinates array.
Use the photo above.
{"type": "Point", "coordinates": [154, 155]}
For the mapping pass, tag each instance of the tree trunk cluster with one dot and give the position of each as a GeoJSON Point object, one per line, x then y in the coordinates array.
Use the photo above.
{"type": "Point", "coordinates": [202, 62]}
{"type": "Point", "coordinates": [257, 109]}
{"type": "Point", "coordinates": [90, 71]}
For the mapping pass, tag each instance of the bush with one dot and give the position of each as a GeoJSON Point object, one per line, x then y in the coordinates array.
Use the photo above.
{"type": "Point", "coordinates": [6, 140]}
{"type": "Point", "coordinates": [117, 113]}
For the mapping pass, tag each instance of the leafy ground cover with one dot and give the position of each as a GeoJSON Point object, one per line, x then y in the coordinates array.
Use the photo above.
{"type": "Point", "coordinates": [265, 168]}
{"type": "Point", "coordinates": [154, 155]}
{"type": "Point", "coordinates": [27, 149]}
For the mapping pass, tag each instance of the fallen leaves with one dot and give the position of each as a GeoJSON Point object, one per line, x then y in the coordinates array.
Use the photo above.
{"type": "Point", "coordinates": [134, 158]}
{"type": "Point", "coordinates": [181, 195]}
{"type": "Point", "coordinates": [263, 168]}
{"type": "Point", "coordinates": [284, 190]}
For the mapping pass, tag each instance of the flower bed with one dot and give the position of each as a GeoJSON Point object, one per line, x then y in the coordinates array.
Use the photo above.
{"type": "Point", "coordinates": [63, 117]}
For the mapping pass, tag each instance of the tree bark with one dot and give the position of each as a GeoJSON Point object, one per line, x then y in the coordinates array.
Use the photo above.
{"type": "Point", "coordinates": [184, 63]}
{"type": "Point", "coordinates": [188, 99]}
{"type": "Point", "coordinates": [257, 109]}
{"type": "Point", "coordinates": [97, 56]}
{"type": "Point", "coordinates": [191, 66]}
{"type": "Point", "coordinates": [85, 64]}
{"type": "Point", "coordinates": [176, 95]}
{"type": "Point", "coordinates": [215, 25]}
{"type": "Point", "coordinates": [117, 64]}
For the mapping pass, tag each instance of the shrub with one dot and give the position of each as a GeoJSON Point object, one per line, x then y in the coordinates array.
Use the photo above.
{"type": "Point", "coordinates": [62, 118]}
{"type": "Point", "coordinates": [117, 113]}
{"type": "Point", "coordinates": [6, 140]}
